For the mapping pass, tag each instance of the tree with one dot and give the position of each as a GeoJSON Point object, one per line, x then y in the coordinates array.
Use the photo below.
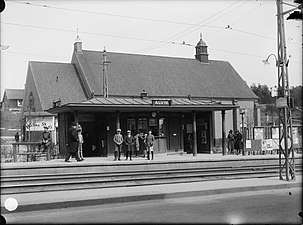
{"type": "Point", "coordinates": [296, 94]}
{"type": "Point", "coordinates": [263, 92]}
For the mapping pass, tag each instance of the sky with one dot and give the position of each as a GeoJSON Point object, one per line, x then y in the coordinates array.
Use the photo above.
{"type": "Point", "coordinates": [242, 32]}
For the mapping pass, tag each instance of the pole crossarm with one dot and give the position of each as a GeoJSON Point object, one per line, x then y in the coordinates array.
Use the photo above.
{"type": "Point", "coordinates": [286, 150]}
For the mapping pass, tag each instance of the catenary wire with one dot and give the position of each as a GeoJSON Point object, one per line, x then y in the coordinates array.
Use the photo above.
{"type": "Point", "coordinates": [174, 36]}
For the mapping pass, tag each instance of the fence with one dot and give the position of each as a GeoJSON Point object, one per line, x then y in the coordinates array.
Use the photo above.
{"type": "Point", "coordinates": [264, 139]}
{"type": "Point", "coordinates": [32, 152]}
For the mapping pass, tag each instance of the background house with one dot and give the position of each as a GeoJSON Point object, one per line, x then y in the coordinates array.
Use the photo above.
{"type": "Point", "coordinates": [12, 100]}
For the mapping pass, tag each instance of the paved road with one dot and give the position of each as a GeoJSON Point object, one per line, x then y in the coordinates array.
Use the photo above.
{"type": "Point", "coordinates": [270, 206]}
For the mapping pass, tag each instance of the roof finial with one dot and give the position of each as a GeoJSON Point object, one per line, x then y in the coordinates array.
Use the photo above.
{"type": "Point", "coordinates": [201, 36]}
{"type": "Point", "coordinates": [78, 38]}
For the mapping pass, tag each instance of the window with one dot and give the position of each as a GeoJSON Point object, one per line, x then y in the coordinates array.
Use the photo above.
{"type": "Point", "coordinates": [153, 126]}
{"type": "Point", "coordinates": [162, 126]}
{"type": "Point", "coordinates": [131, 125]}
{"type": "Point", "coordinates": [142, 125]}
{"type": "Point", "coordinates": [19, 103]}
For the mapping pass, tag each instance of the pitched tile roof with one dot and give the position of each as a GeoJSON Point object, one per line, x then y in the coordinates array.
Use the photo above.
{"type": "Point", "coordinates": [129, 74]}
{"type": "Point", "coordinates": [56, 81]}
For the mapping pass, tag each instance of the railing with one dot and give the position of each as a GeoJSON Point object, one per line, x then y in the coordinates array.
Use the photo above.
{"type": "Point", "coordinates": [34, 150]}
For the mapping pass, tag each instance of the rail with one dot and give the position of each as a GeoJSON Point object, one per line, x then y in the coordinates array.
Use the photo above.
{"type": "Point", "coordinates": [34, 150]}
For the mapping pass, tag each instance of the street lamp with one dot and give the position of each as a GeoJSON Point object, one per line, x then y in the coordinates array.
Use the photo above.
{"type": "Point", "coordinates": [266, 61]}
{"type": "Point", "coordinates": [242, 112]}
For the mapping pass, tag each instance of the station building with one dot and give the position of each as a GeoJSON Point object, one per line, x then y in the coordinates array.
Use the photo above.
{"type": "Point", "coordinates": [188, 103]}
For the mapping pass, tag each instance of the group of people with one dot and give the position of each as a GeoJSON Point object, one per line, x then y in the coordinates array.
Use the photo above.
{"type": "Point", "coordinates": [134, 143]}
{"type": "Point", "coordinates": [235, 142]}
{"type": "Point", "coordinates": [75, 143]}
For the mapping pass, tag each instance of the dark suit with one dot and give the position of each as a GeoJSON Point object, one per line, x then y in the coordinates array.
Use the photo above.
{"type": "Point", "coordinates": [73, 142]}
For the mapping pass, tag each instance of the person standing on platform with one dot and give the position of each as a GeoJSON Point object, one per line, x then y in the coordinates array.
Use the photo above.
{"type": "Point", "coordinates": [238, 142]}
{"type": "Point", "coordinates": [137, 144]}
{"type": "Point", "coordinates": [73, 142]}
{"type": "Point", "coordinates": [118, 139]}
{"type": "Point", "coordinates": [142, 144]}
{"type": "Point", "coordinates": [150, 145]}
{"type": "Point", "coordinates": [80, 145]}
{"type": "Point", "coordinates": [17, 137]}
{"type": "Point", "coordinates": [129, 141]}
{"type": "Point", "coordinates": [230, 142]}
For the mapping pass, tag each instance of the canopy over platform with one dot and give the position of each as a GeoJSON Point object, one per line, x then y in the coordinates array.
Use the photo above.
{"type": "Point", "coordinates": [141, 104]}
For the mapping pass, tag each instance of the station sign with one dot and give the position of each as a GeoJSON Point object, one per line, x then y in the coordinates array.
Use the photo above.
{"type": "Point", "coordinates": [161, 102]}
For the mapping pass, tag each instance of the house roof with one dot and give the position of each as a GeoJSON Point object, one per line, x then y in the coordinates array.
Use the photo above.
{"type": "Point", "coordinates": [129, 74]}
{"type": "Point", "coordinates": [56, 81]}
{"type": "Point", "coordinates": [14, 94]}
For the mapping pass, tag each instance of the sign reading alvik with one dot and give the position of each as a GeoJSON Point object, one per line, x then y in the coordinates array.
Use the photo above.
{"type": "Point", "coordinates": [161, 102]}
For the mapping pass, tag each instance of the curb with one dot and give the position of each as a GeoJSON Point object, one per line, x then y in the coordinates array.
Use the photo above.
{"type": "Point", "coordinates": [134, 198]}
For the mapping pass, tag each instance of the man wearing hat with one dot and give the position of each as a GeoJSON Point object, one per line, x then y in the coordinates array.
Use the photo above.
{"type": "Point", "coordinates": [129, 141]}
{"type": "Point", "coordinates": [46, 139]}
{"type": "Point", "coordinates": [73, 142]}
{"type": "Point", "coordinates": [118, 139]}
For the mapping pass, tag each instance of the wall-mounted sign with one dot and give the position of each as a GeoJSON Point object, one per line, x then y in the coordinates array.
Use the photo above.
{"type": "Point", "coordinates": [161, 102]}
{"type": "Point", "coordinates": [38, 123]}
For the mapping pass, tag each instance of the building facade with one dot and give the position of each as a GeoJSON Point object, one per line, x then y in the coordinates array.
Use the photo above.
{"type": "Point", "coordinates": [187, 103]}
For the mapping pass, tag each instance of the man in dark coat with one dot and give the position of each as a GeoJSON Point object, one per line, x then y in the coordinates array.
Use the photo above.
{"type": "Point", "coordinates": [129, 142]}
{"type": "Point", "coordinates": [73, 141]}
{"type": "Point", "coordinates": [238, 142]}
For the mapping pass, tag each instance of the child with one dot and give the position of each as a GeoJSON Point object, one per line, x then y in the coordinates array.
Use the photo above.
{"type": "Point", "coordinates": [80, 148]}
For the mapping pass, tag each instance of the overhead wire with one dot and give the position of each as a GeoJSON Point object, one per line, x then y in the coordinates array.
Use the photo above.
{"type": "Point", "coordinates": [143, 39]}
{"type": "Point", "coordinates": [174, 36]}
{"type": "Point", "coordinates": [113, 15]}
{"type": "Point", "coordinates": [158, 20]}
{"type": "Point", "coordinates": [83, 32]}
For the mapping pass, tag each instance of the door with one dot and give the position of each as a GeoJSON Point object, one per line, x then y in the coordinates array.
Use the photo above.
{"type": "Point", "coordinates": [203, 136]}
{"type": "Point", "coordinates": [174, 134]}
{"type": "Point", "coordinates": [90, 141]}
{"type": "Point", "coordinates": [102, 138]}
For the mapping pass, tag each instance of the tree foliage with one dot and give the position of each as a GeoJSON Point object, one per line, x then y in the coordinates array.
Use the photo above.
{"type": "Point", "coordinates": [296, 93]}
{"type": "Point", "coordinates": [263, 92]}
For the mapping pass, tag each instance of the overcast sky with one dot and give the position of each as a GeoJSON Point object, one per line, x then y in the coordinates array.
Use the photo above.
{"type": "Point", "coordinates": [242, 32]}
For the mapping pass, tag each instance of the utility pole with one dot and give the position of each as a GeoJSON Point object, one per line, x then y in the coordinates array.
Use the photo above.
{"type": "Point", "coordinates": [286, 163]}
{"type": "Point", "coordinates": [105, 78]}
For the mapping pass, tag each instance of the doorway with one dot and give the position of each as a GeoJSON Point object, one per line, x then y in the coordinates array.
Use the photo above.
{"type": "Point", "coordinates": [174, 133]}
{"type": "Point", "coordinates": [203, 135]}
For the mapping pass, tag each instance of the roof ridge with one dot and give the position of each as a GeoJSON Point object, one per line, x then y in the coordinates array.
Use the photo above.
{"type": "Point", "coordinates": [137, 54]}
{"type": "Point", "coordinates": [50, 62]}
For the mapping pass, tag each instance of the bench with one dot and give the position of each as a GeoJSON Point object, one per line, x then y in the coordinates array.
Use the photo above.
{"type": "Point", "coordinates": [33, 151]}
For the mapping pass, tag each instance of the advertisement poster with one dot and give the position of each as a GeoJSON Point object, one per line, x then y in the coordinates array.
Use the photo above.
{"type": "Point", "coordinates": [275, 132]}
{"type": "Point", "coordinates": [267, 145]}
{"type": "Point", "coordinates": [258, 133]}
